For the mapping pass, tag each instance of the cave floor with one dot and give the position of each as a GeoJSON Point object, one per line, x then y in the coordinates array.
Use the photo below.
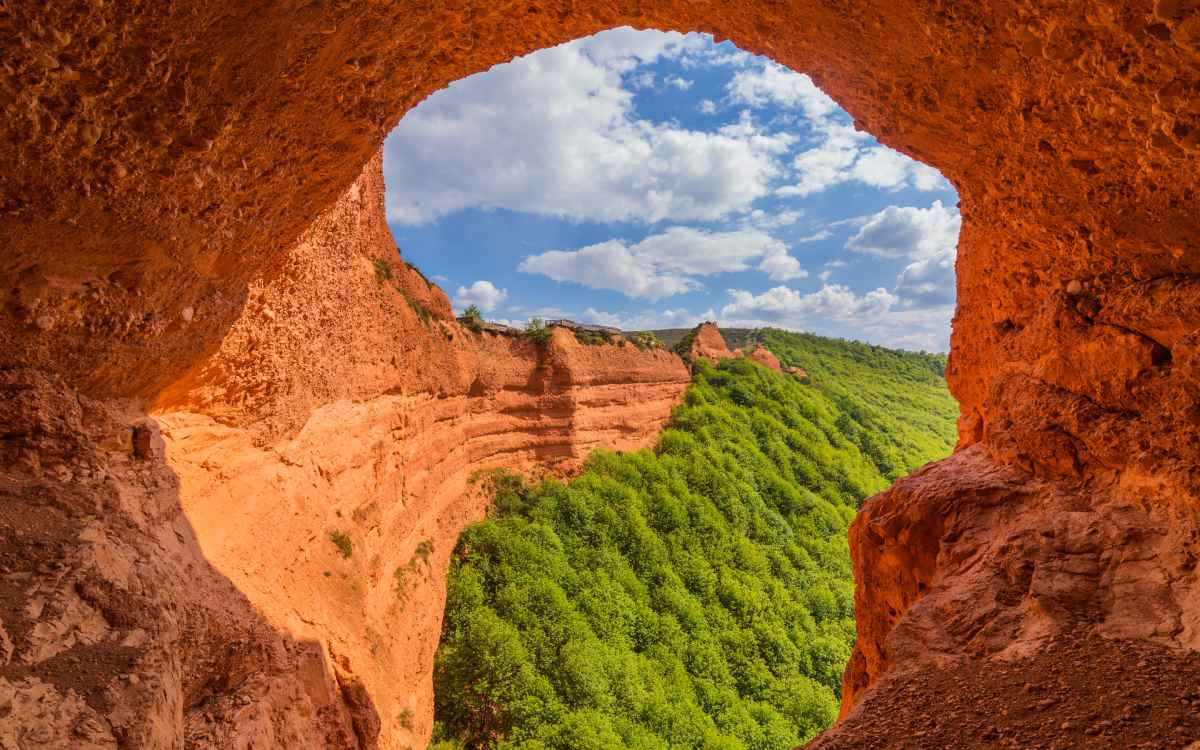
{"type": "Point", "coordinates": [1080, 691]}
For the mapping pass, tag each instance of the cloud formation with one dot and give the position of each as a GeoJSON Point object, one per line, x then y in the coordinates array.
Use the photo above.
{"type": "Point", "coordinates": [836, 310]}
{"type": "Point", "coordinates": [838, 153]}
{"type": "Point", "coordinates": [483, 294]}
{"type": "Point", "coordinates": [668, 263]}
{"type": "Point", "coordinates": [908, 232]}
{"type": "Point", "coordinates": [555, 133]}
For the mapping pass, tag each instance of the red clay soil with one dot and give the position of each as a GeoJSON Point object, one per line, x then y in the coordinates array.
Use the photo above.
{"type": "Point", "coordinates": [188, 229]}
{"type": "Point", "coordinates": [1134, 694]}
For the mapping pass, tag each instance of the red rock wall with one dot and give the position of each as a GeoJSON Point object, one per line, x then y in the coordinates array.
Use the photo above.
{"type": "Point", "coordinates": [331, 405]}
{"type": "Point", "coordinates": [161, 161]}
{"type": "Point", "coordinates": [710, 344]}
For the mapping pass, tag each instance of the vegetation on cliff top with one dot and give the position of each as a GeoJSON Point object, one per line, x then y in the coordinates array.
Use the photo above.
{"type": "Point", "coordinates": [699, 595]}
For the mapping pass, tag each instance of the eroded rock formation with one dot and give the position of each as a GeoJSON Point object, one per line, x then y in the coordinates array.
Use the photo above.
{"type": "Point", "coordinates": [184, 585]}
{"type": "Point", "coordinates": [162, 161]}
{"type": "Point", "coordinates": [766, 358]}
{"type": "Point", "coordinates": [707, 342]}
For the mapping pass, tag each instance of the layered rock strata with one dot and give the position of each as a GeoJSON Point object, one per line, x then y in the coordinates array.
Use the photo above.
{"type": "Point", "coordinates": [261, 561]}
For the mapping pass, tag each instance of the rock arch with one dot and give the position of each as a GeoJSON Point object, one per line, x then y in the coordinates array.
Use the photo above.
{"type": "Point", "coordinates": [163, 161]}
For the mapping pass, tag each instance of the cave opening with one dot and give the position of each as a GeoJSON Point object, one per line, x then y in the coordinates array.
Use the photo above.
{"type": "Point", "coordinates": [653, 180]}
{"type": "Point", "coordinates": [192, 233]}
{"type": "Point", "coordinates": [646, 182]}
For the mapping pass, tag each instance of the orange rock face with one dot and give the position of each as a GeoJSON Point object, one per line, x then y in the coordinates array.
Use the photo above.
{"type": "Point", "coordinates": [764, 357]}
{"type": "Point", "coordinates": [182, 234]}
{"type": "Point", "coordinates": [340, 402]}
{"type": "Point", "coordinates": [710, 344]}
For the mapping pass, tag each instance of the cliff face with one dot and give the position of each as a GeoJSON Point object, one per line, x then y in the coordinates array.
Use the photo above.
{"type": "Point", "coordinates": [341, 402]}
{"type": "Point", "coordinates": [162, 160]}
{"type": "Point", "coordinates": [710, 344]}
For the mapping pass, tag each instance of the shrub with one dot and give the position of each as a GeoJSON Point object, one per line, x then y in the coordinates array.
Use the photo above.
{"type": "Point", "coordinates": [537, 332]}
{"type": "Point", "coordinates": [417, 271]}
{"type": "Point", "coordinates": [424, 550]}
{"type": "Point", "coordinates": [592, 338]}
{"type": "Point", "coordinates": [342, 541]}
{"type": "Point", "coordinates": [472, 318]}
{"type": "Point", "coordinates": [645, 340]}
{"type": "Point", "coordinates": [423, 312]}
{"type": "Point", "coordinates": [383, 270]}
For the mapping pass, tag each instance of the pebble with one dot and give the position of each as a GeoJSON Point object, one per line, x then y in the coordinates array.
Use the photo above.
{"type": "Point", "coordinates": [1074, 287]}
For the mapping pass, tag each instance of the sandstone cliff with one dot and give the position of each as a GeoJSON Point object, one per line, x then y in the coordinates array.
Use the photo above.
{"type": "Point", "coordinates": [707, 342]}
{"type": "Point", "coordinates": [343, 401]}
{"type": "Point", "coordinates": [161, 160]}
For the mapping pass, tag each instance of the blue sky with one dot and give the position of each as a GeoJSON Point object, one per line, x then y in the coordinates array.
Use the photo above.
{"type": "Point", "coordinates": [647, 179]}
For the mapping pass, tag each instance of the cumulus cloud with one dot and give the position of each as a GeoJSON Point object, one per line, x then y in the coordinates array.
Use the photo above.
{"type": "Point", "coordinates": [676, 82]}
{"type": "Point", "coordinates": [908, 232]}
{"type": "Point", "coordinates": [555, 133]}
{"type": "Point", "coordinates": [609, 265]}
{"type": "Point", "coordinates": [707, 107]}
{"type": "Point", "coordinates": [782, 304]}
{"type": "Point", "coordinates": [482, 294]}
{"type": "Point", "coordinates": [835, 310]}
{"type": "Point", "coordinates": [772, 83]}
{"type": "Point", "coordinates": [668, 263]}
{"type": "Point", "coordinates": [929, 281]}
{"type": "Point", "coordinates": [647, 319]}
{"type": "Point", "coordinates": [839, 153]}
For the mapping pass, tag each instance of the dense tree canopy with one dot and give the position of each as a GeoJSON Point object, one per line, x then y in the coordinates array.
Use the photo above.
{"type": "Point", "coordinates": [698, 595]}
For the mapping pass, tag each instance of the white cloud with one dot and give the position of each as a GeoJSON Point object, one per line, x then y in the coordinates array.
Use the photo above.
{"type": "Point", "coordinates": [762, 220]}
{"type": "Point", "coordinates": [707, 107]}
{"type": "Point", "coordinates": [909, 232]}
{"type": "Point", "coordinates": [668, 263]}
{"type": "Point", "coordinates": [609, 265]}
{"type": "Point", "coordinates": [643, 80]}
{"type": "Point", "coordinates": [782, 267]}
{"type": "Point", "coordinates": [835, 310]}
{"type": "Point", "coordinates": [648, 319]}
{"type": "Point", "coordinates": [925, 177]}
{"type": "Point", "coordinates": [834, 302]}
{"type": "Point", "coordinates": [827, 270]}
{"type": "Point", "coordinates": [929, 281]}
{"type": "Point", "coordinates": [774, 84]}
{"type": "Point", "coordinates": [482, 294]}
{"type": "Point", "coordinates": [882, 167]}
{"type": "Point", "coordinates": [555, 133]}
{"type": "Point", "coordinates": [840, 154]}
{"type": "Point", "coordinates": [682, 84]}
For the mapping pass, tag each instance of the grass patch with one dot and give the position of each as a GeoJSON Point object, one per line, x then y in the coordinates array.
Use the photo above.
{"type": "Point", "coordinates": [383, 270]}
{"type": "Point", "coordinates": [592, 338]}
{"type": "Point", "coordinates": [417, 271]}
{"type": "Point", "coordinates": [342, 541]}
{"type": "Point", "coordinates": [423, 312]}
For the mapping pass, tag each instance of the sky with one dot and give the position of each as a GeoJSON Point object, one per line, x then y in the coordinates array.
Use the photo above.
{"type": "Point", "coordinates": [656, 180]}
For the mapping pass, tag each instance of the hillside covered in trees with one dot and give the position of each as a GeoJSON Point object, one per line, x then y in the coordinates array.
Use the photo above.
{"type": "Point", "coordinates": [698, 595]}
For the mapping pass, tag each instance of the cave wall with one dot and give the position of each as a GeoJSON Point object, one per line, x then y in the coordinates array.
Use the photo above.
{"type": "Point", "coordinates": [164, 161]}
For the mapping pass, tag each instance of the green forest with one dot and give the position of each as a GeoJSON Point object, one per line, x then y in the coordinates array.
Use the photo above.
{"type": "Point", "coordinates": [698, 595]}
